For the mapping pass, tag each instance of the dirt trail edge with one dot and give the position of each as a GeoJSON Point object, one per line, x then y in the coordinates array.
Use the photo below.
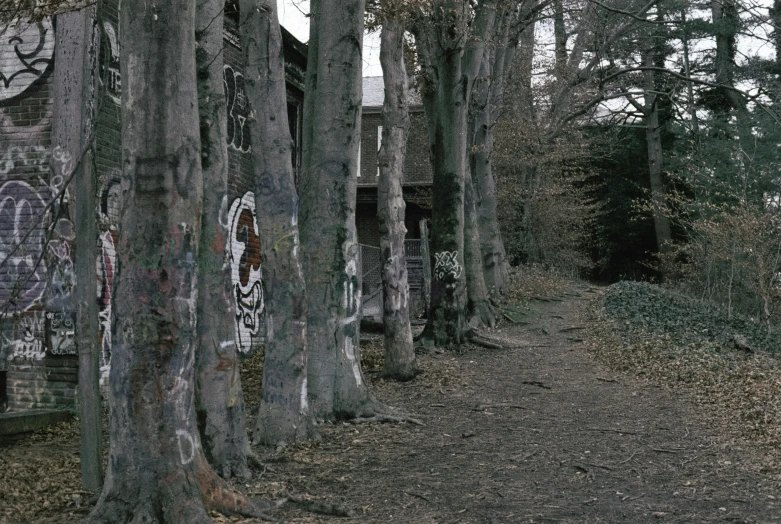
{"type": "Point", "coordinates": [538, 433]}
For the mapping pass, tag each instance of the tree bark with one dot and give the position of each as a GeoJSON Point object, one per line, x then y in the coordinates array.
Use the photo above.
{"type": "Point", "coordinates": [219, 398]}
{"type": "Point", "coordinates": [329, 241]}
{"type": "Point", "coordinates": [284, 416]}
{"type": "Point", "coordinates": [450, 70]}
{"type": "Point", "coordinates": [74, 101]}
{"type": "Point", "coordinates": [655, 159]}
{"type": "Point", "coordinates": [157, 468]}
{"type": "Point", "coordinates": [399, 361]}
{"type": "Point", "coordinates": [726, 23]}
{"type": "Point", "coordinates": [479, 309]}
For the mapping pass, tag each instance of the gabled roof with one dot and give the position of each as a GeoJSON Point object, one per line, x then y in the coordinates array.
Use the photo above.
{"type": "Point", "coordinates": [374, 93]}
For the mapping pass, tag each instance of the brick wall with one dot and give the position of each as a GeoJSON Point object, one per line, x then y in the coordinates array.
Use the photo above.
{"type": "Point", "coordinates": [417, 169]}
{"type": "Point", "coordinates": [37, 376]}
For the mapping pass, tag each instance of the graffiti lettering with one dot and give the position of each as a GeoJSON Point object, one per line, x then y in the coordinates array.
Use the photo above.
{"type": "Point", "coordinates": [186, 445]}
{"type": "Point", "coordinates": [22, 272]}
{"type": "Point", "coordinates": [447, 267]}
{"type": "Point", "coordinates": [238, 129]}
{"type": "Point", "coordinates": [27, 344]}
{"type": "Point", "coordinates": [26, 52]}
{"type": "Point", "coordinates": [244, 254]}
{"type": "Point", "coordinates": [110, 76]}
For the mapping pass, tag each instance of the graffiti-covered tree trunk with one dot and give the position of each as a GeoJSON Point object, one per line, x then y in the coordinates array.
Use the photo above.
{"type": "Point", "coordinates": [328, 190]}
{"type": "Point", "coordinates": [157, 470]}
{"type": "Point", "coordinates": [449, 73]}
{"type": "Point", "coordinates": [399, 352]}
{"type": "Point", "coordinates": [284, 415]}
{"type": "Point", "coordinates": [219, 398]}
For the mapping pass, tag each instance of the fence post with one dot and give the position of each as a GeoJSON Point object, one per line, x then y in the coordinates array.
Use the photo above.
{"type": "Point", "coordinates": [424, 254]}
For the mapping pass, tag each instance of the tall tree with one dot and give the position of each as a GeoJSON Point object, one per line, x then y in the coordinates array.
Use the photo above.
{"type": "Point", "coordinates": [219, 397]}
{"type": "Point", "coordinates": [399, 360]}
{"type": "Point", "coordinates": [284, 416]}
{"type": "Point", "coordinates": [329, 244]}
{"type": "Point", "coordinates": [157, 468]}
{"type": "Point", "coordinates": [72, 130]}
{"type": "Point", "coordinates": [441, 33]}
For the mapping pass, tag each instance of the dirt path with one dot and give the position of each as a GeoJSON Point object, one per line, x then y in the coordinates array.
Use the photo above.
{"type": "Point", "coordinates": [540, 433]}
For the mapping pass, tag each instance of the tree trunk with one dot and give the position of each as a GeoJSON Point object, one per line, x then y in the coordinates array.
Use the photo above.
{"type": "Point", "coordinates": [479, 309]}
{"type": "Point", "coordinates": [219, 398]}
{"type": "Point", "coordinates": [157, 469]}
{"type": "Point", "coordinates": [726, 23]}
{"type": "Point", "coordinates": [74, 100]}
{"type": "Point", "coordinates": [328, 191]}
{"type": "Point", "coordinates": [450, 73]}
{"type": "Point", "coordinates": [775, 19]}
{"type": "Point", "coordinates": [487, 100]}
{"type": "Point", "coordinates": [653, 136]}
{"type": "Point", "coordinates": [399, 352]}
{"type": "Point", "coordinates": [284, 416]}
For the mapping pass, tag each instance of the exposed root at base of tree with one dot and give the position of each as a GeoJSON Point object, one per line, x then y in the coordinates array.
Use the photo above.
{"type": "Point", "coordinates": [317, 506]}
{"type": "Point", "coordinates": [482, 314]}
{"type": "Point", "coordinates": [183, 497]}
{"type": "Point", "coordinates": [481, 341]}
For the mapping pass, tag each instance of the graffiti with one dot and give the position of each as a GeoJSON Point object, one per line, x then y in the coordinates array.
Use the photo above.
{"type": "Point", "coordinates": [244, 254]}
{"type": "Point", "coordinates": [110, 77]}
{"type": "Point", "coordinates": [446, 267]}
{"type": "Point", "coordinates": [26, 159]}
{"type": "Point", "coordinates": [61, 333]}
{"type": "Point", "coordinates": [238, 128]}
{"type": "Point", "coordinates": [186, 445]}
{"type": "Point", "coordinates": [63, 277]}
{"type": "Point", "coordinates": [27, 343]}
{"type": "Point", "coordinates": [62, 165]}
{"type": "Point", "coordinates": [106, 266]}
{"type": "Point", "coordinates": [22, 271]}
{"type": "Point", "coordinates": [26, 53]}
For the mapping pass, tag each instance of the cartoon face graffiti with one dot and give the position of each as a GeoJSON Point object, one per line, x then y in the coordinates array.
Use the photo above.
{"type": "Point", "coordinates": [244, 254]}
{"type": "Point", "coordinates": [61, 327]}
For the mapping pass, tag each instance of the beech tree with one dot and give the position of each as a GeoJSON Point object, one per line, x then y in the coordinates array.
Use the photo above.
{"type": "Point", "coordinates": [284, 415]}
{"type": "Point", "coordinates": [157, 470]}
{"type": "Point", "coordinates": [329, 244]}
{"type": "Point", "coordinates": [399, 360]}
{"type": "Point", "coordinates": [449, 67]}
{"type": "Point", "coordinates": [219, 397]}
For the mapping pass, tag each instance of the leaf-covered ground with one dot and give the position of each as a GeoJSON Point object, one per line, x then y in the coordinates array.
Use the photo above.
{"type": "Point", "coordinates": [583, 418]}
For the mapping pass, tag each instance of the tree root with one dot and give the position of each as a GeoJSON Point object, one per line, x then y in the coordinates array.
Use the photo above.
{"type": "Point", "coordinates": [317, 506]}
{"type": "Point", "coordinates": [486, 343]}
{"type": "Point", "coordinates": [379, 417]}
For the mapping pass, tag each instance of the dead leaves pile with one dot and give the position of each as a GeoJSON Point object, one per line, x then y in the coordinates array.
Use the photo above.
{"type": "Point", "coordinates": [42, 475]}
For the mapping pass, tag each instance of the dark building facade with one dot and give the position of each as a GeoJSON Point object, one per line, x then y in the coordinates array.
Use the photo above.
{"type": "Point", "coordinates": [417, 180]}
{"type": "Point", "coordinates": [38, 353]}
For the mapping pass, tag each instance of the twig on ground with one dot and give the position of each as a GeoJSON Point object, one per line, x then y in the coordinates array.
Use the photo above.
{"type": "Point", "coordinates": [630, 458]}
{"type": "Point", "coordinates": [418, 495]}
{"type": "Point", "coordinates": [483, 407]}
{"type": "Point", "coordinates": [608, 430]}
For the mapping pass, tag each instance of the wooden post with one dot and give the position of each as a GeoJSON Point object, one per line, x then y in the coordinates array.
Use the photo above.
{"type": "Point", "coordinates": [425, 255]}
{"type": "Point", "coordinates": [75, 87]}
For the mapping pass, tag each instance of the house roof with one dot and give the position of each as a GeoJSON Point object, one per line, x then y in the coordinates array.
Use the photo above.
{"type": "Point", "coordinates": [374, 93]}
